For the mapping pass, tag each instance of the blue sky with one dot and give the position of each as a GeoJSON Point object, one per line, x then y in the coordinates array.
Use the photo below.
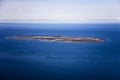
{"type": "Point", "coordinates": [60, 10]}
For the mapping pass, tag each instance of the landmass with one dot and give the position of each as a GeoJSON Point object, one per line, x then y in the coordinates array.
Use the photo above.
{"type": "Point", "coordinates": [57, 38]}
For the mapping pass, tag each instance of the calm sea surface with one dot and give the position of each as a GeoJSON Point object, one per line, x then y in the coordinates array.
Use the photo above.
{"type": "Point", "coordinates": [44, 60]}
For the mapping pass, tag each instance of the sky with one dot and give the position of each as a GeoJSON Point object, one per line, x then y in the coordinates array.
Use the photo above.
{"type": "Point", "coordinates": [59, 10]}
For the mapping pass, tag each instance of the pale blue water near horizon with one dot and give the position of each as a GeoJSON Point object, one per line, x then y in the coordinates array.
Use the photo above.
{"type": "Point", "coordinates": [44, 60]}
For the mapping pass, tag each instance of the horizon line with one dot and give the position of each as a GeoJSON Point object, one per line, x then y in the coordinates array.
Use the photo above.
{"type": "Point", "coordinates": [59, 22]}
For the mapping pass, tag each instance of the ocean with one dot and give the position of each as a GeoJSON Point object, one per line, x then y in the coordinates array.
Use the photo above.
{"type": "Point", "coordinates": [46, 60]}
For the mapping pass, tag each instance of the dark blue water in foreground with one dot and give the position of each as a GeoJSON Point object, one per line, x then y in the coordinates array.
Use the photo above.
{"type": "Point", "coordinates": [42, 60]}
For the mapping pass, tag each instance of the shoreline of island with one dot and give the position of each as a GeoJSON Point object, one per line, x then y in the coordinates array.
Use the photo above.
{"type": "Point", "coordinates": [57, 38]}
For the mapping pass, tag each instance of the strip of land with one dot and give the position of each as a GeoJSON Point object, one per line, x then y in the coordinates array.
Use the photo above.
{"type": "Point", "coordinates": [57, 38]}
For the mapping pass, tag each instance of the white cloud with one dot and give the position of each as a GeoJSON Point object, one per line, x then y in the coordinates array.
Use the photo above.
{"type": "Point", "coordinates": [46, 11]}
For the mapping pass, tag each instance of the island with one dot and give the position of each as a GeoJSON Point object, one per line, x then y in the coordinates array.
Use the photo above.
{"type": "Point", "coordinates": [57, 38]}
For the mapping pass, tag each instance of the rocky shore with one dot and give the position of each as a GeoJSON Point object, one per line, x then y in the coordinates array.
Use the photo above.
{"type": "Point", "coordinates": [58, 38]}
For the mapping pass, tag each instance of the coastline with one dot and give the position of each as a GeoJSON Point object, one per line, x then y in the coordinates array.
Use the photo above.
{"type": "Point", "coordinates": [57, 38]}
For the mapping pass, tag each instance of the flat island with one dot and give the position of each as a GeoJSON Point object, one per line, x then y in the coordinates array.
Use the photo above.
{"type": "Point", "coordinates": [57, 38]}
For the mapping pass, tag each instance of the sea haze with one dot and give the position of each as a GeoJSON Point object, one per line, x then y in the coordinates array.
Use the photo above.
{"type": "Point", "coordinates": [45, 60]}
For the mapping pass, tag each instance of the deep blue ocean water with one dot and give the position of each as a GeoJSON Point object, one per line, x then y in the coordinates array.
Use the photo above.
{"type": "Point", "coordinates": [44, 60]}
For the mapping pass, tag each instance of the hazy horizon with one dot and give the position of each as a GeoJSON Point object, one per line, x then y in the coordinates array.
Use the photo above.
{"type": "Point", "coordinates": [59, 11]}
